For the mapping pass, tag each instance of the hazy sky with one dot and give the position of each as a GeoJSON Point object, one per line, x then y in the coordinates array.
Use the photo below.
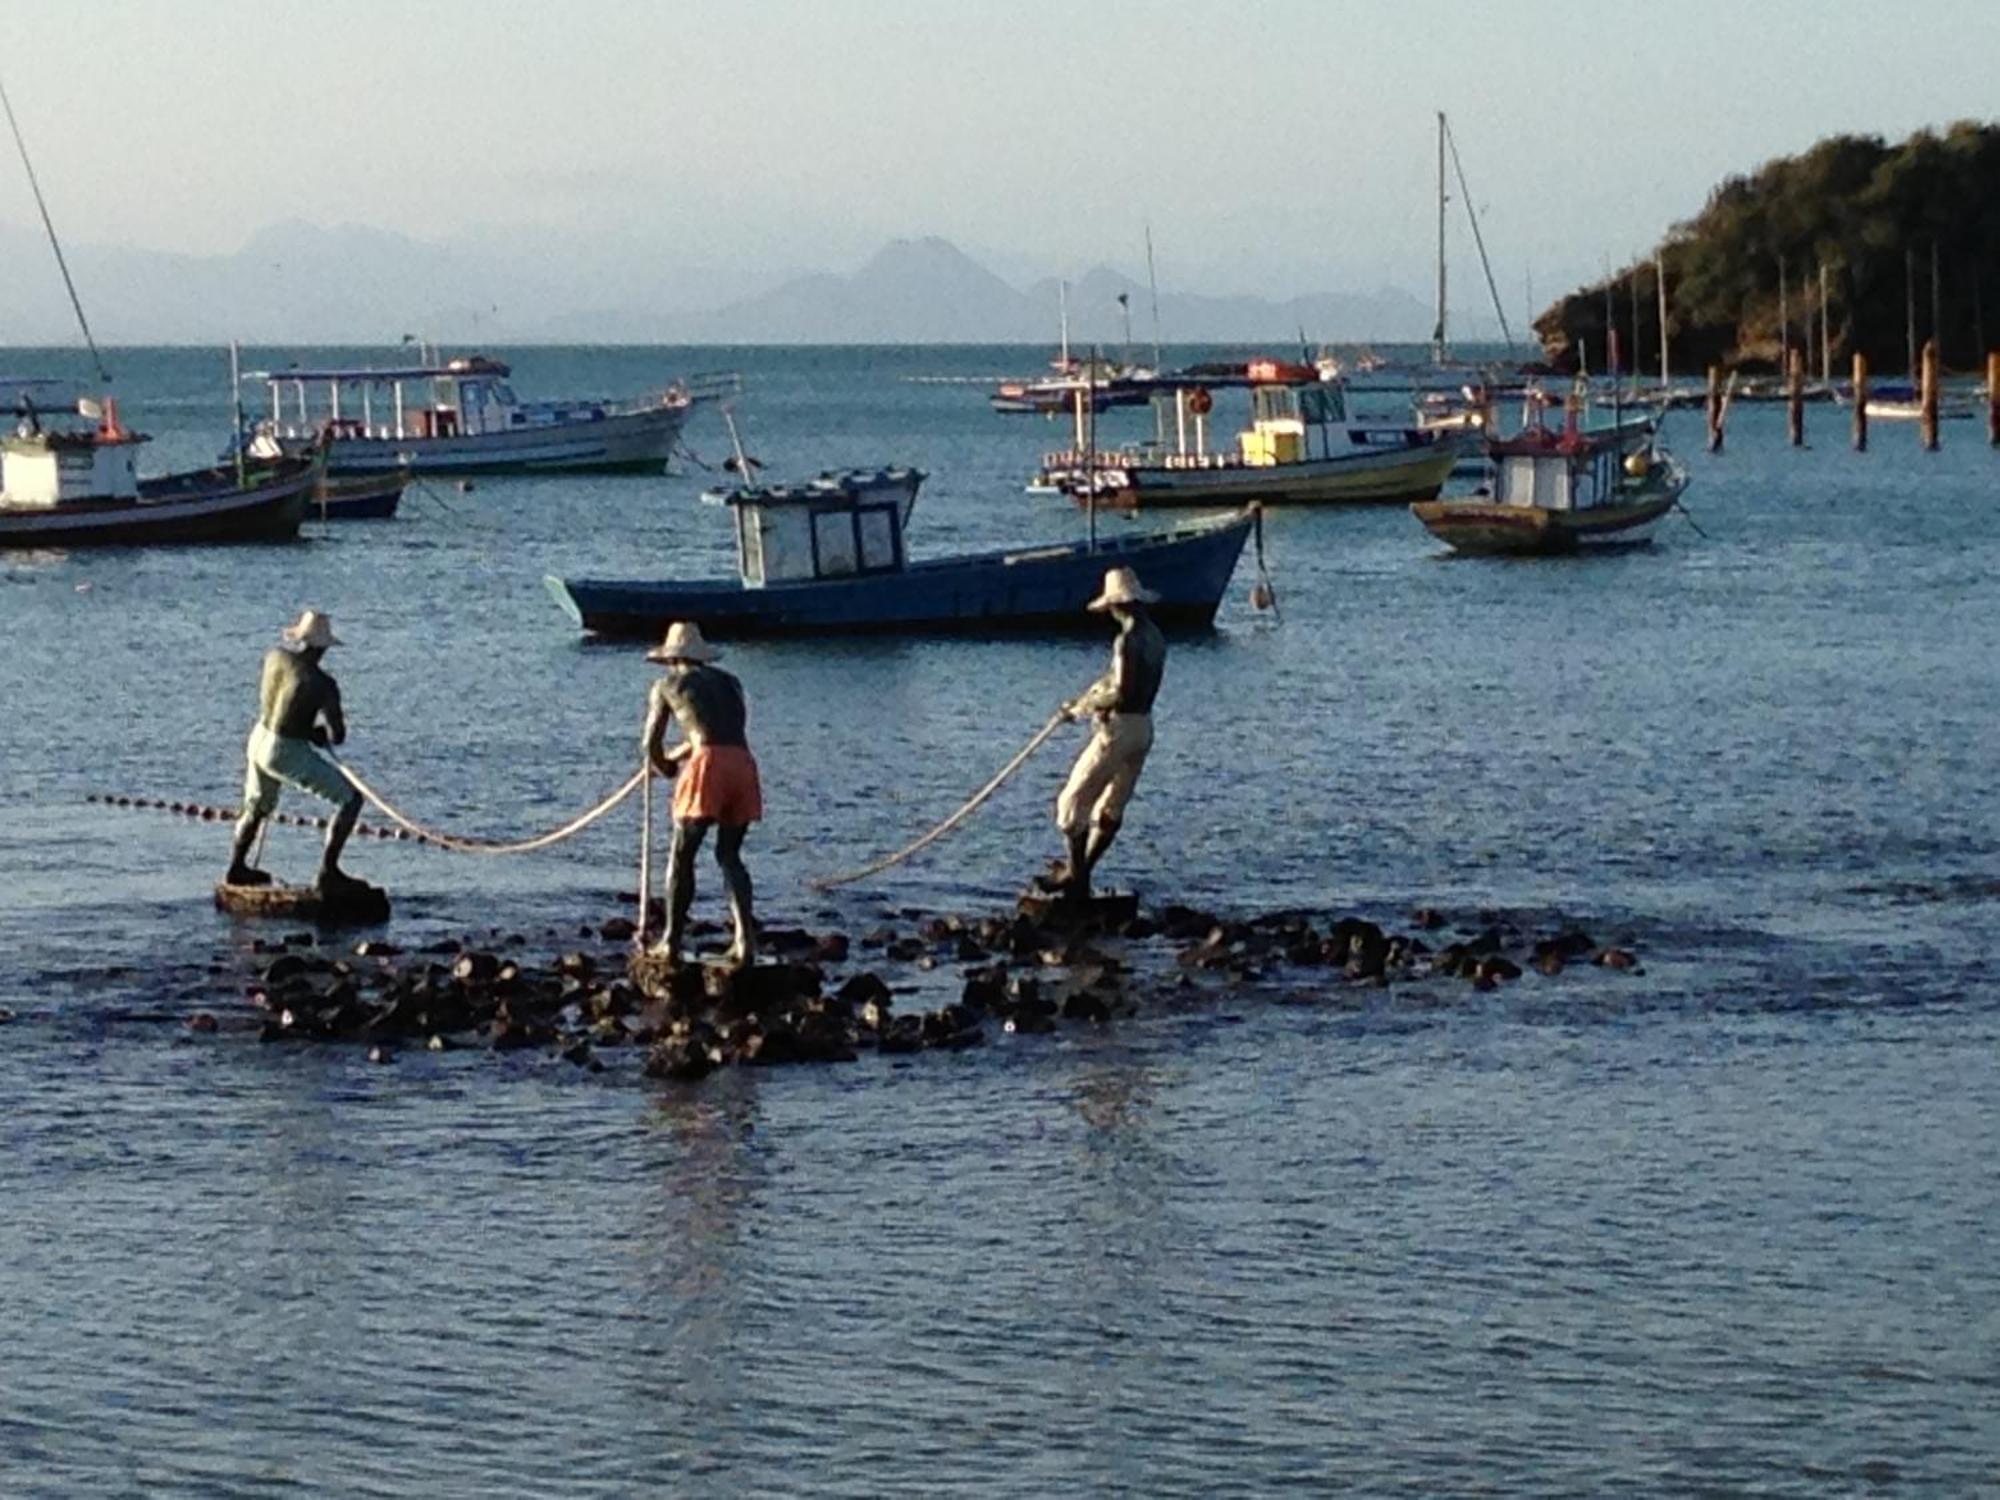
{"type": "Point", "coordinates": [1276, 146]}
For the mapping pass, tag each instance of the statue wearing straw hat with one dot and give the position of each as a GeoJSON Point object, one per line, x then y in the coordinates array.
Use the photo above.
{"type": "Point", "coordinates": [1092, 805]}
{"type": "Point", "coordinates": [716, 783]}
{"type": "Point", "coordinates": [298, 714]}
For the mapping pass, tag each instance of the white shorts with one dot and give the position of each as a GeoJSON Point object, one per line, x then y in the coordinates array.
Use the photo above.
{"type": "Point", "coordinates": [1101, 783]}
{"type": "Point", "coordinates": [272, 760]}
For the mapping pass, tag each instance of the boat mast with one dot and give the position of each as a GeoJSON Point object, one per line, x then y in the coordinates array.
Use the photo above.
{"type": "Point", "coordinates": [75, 302]}
{"type": "Point", "coordinates": [1437, 334]}
{"type": "Point", "coordinates": [1479, 243]}
{"type": "Point", "coordinates": [1090, 447]}
{"type": "Point", "coordinates": [1153, 290]}
{"type": "Point", "coordinates": [1062, 303]}
{"type": "Point", "coordinates": [236, 401]}
{"type": "Point", "coordinates": [1660, 278]}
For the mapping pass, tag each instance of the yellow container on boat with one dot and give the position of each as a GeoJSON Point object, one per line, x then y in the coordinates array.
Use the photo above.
{"type": "Point", "coordinates": [1264, 446]}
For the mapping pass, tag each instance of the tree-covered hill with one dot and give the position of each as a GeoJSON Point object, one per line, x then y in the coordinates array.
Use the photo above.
{"type": "Point", "coordinates": [1875, 216]}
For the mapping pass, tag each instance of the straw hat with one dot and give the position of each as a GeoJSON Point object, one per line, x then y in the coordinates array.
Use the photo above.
{"type": "Point", "coordinates": [312, 630]}
{"type": "Point", "coordinates": [1121, 586]}
{"type": "Point", "coordinates": [683, 643]}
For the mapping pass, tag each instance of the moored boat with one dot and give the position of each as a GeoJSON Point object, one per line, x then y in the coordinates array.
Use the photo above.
{"type": "Point", "coordinates": [813, 563]}
{"type": "Point", "coordinates": [75, 485]}
{"type": "Point", "coordinates": [359, 497]}
{"type": "Point", "coordinates": [466, 419]}
{"type": "Point", "coordinates": [1299, 449]}
{"type": "Point", "coordinates": [1560, 492]}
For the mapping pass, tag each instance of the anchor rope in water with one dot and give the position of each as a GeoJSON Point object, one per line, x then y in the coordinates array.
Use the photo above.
{"type": "Point", "coordinates": [463, 845]}
{"type": "Point", "coordinates": [972, 805]}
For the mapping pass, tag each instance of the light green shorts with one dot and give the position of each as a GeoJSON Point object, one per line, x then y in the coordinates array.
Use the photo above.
{"type": "Point", "coordinates": [272, 760]}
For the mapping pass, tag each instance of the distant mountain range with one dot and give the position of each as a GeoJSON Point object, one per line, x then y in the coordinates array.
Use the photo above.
{"type": "Point", "coordinates": [298, 283]}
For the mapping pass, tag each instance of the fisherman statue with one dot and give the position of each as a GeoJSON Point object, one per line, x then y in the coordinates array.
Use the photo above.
{"type": "Point", "coordinates": [716, 783]}
{"type": "Point", "coordinates": [298, 715]}
{"type": "Point", "coordinates": [1091, 808]}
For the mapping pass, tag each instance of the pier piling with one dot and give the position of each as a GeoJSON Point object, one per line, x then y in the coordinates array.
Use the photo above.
{"type": "Point", "coordinates": [1795, 398]}
{"type": "Point", "coordinates": [1860, 402]}
{"type": "Point", "coordinates": [1993, 399]}
{"type": "Point", "coordinates": [1928, 397]}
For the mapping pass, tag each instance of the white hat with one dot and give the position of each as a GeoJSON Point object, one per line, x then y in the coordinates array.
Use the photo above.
{"type": "Point", "coordinates": [312, 630]}
{"type": "Point", "coordinates": [683, 643]}
{"type": "Point", "coordinates": [1121, 586]}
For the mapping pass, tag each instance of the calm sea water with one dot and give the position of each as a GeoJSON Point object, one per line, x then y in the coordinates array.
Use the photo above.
{"type": "Point", "coordinates": [1722, 1228]}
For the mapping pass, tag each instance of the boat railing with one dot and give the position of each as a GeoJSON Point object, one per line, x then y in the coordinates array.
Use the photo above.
{"type": "Point", "coordinates": [710, 385]}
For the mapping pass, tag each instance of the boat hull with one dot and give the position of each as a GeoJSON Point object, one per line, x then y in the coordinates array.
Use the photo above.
{"type": "Point", "coordinates": [1372, 476]}
{"type": "Point", "coordinates": [1038, 589]}
{"type": "Point", "coordinates": [624, 442]}
{"type": "Point", "coordinates": [204, 506]}
{"type": "Point", "coordinates": [1485, 528]}
{"type": "Point", "coordinates": [363, 497]}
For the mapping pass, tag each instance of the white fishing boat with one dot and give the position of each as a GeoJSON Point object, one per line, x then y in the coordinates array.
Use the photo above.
{"type": "Point", "coordinates": [461, 416]}
{"type": "Point", "coordinates": [1300, 448]}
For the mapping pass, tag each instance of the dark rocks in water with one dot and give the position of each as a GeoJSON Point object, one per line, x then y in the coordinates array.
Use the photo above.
{"type": "Point", "coordinates": [832, 948]}
{"type": "Point", "coordinates": [905, 1034]}
{"type": "Point", "coordinates": [201, 1021]}
{"type": "Point", "coordinates": [1616, 958]}
{"type": "Point", "coordinates": [1426, 919]}
{"type": "Point", "coordinates": [379, 1054]}
{"type": "Point", "coordinates": [760, 986]}
{"type": "Point", "coordinates": [863, 989]}
{"type": "Point", "coordinates": [985, 989]}
{"type": "Point", "coordinates": [1549, 962]}
{"type": "Point", "coordinates": [618, 930]}
{"type": "Point", "coordinates": [576, 965]}
{"type": "Point", "coordinates": [476, 968]}
{"type": "Point", "coordinates": [906, 950]}
{"type": "Point", "coordinates": [442, 945]}
{"type": "Point", "coordinates": [376, 948]}
{"type": "Point", "coordinates": [1498, 966]}
{"type": "Point", "coordinates": [1030, 1022]}
{"type": "Point", "coordinates": [880, 937]}
{"type": "Point", "coordinates": [289, 966]}
{"type": "Point", "coordinates": [1062, 912]}
{"type": "Point", "coordinates": [1570, 943]}
{"type": "Point", "coordinates": [1084, 1006]}
{"type": "Point", "coordinates": [680, 1058]}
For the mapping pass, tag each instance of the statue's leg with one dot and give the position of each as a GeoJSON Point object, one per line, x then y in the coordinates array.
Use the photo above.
{"type": "Point", "coordinates": [260, 799]}
{"type": "Point", "coordinates": [736, 877]}
{"type": "Point", "coordinates": [1079, 796]}
{"type": "Point", "coordinates": [1107, 815]}
{"type": "Point", "coordinates": [1103, 830]}
{"type": "Point", "coordinates": [336, 840]}
{"type": "Point", "coordinates": [688, 834]}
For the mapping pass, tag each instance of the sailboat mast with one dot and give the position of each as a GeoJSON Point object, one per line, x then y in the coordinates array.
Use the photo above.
{"type": "Point", "coordinates": [75, 302]}
{"type": "Point", "coordinates": [1062, 302]}
{"type": "Point", "coordinates": [1660, 280]}
{"type": "Point", "coordinates": [1437, 336]}
{"type": "Point", "coordinates": [1153, 290]}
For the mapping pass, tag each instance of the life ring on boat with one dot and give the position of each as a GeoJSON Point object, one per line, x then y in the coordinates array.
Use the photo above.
{"type": "Point", "coordinates": [1200, 402]}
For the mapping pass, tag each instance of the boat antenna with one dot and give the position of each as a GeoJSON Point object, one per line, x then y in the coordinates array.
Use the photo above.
{"type": "Point", "coordinates": [1471, 213]}
{"type": "Point", "coordinates": [1153, 288]}
{"type": "Point", "coordinates": [103, 376]}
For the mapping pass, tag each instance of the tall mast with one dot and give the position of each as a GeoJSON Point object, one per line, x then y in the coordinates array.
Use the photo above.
{"type": "Point", "coordinates": [1660, 277]}
{"type": "Point", "coordinates": [1478, 241]}
{"type": "Point", "coordinates": [1153, 289]}
{"type": "Point", "coordinates": [75, 302]}
{"type": "Point", "coordinates": [1437, 335]}
{"type": "Point", "coordinates": [1062, 301]}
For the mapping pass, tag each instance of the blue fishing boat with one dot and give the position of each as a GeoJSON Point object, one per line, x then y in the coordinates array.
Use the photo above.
{"type": "Point", "coordinates": [814, 562]}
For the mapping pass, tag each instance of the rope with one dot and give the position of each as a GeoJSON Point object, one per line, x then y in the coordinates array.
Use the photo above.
{"type": "Point", "coordinates": [497, 846]}
{"type": "Point", "coordinates": [645, 849]}
{"type": "Point", "coordinates": [971, 806]}
{"type": "Point", "coordinates": [1263, 573]}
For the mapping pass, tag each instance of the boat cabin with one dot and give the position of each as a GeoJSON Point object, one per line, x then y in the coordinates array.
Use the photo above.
{"type": "Point", "coordinates": [47, 466]}
{"type": "Point", "coordinates": [466, 397]}
{"type": "Point", "coordinates": [1567, 471]}
{"type": "Point", "coordinates": [816, 532]}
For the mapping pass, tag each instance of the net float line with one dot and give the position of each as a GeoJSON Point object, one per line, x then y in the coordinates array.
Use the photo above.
{"type": "Point", "coordinates": [208, 814]}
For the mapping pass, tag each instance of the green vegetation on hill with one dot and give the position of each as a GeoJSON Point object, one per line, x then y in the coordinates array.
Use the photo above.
{"type": "Point", "coordinates": [1865, 210]}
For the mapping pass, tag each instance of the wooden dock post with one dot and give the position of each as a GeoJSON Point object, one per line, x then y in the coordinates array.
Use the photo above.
{"type": "Point", "coordinates": [1715, 408]}
{"type": "Point", "coordinates": [1993, 399]}
{"type": "Point", "coordinates": [1795, 398]}
{"type": "Point", "coordinates": [1928, 397]}
{"type": "Point", "coordinates": [1860, 402]}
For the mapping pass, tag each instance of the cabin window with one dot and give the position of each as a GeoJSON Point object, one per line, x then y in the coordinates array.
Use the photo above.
{"type": "Point", "coordinates": [785, 542]}
{"type": "Point", "coordinates": [833, 537]}
{"type": "Point", "coordinates": [1323, 403]}
{"type": "Point", "coordinates": [878, 537]}
{"type": "Point", "coordinates": [1274, 403]}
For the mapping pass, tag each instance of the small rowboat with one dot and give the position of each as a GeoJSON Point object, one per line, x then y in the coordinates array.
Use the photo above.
{"type": "Point", "coordinates": [359, 497]}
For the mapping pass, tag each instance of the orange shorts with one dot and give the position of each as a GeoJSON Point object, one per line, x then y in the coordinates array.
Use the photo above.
{"type": "Point", "coordinates": [719, 783]}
